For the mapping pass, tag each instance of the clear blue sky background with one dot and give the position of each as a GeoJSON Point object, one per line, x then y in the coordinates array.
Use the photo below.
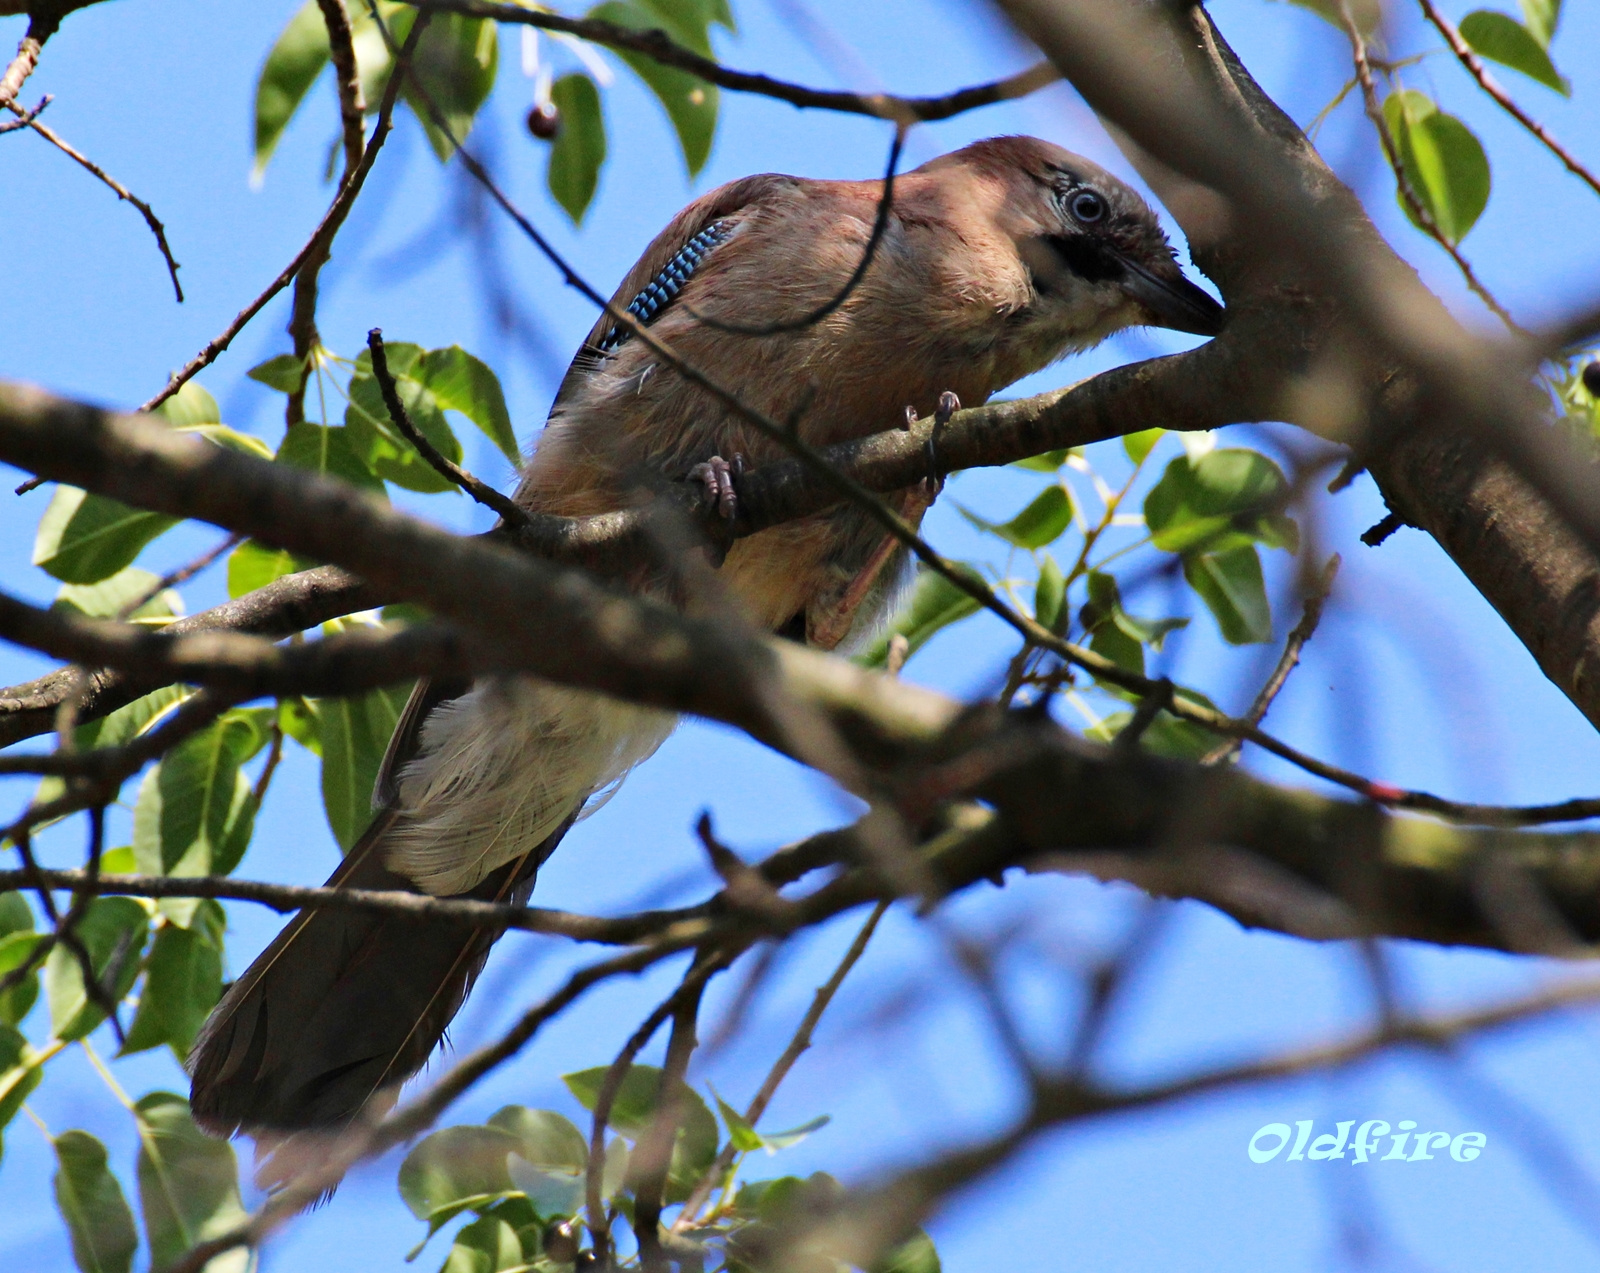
{"type": "Point", "coordinates": [1412, 679]}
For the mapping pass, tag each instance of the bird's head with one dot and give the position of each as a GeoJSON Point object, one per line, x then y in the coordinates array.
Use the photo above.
{"type": "Point", "coordinates": [1094, 252]}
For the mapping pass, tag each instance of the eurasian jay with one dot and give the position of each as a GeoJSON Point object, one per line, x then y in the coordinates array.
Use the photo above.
{"type": "Point", "coordinates": [996, 260]}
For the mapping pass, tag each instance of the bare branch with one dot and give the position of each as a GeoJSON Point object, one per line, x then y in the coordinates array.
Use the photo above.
{"type": "Point", "coordinates": [659, 46]}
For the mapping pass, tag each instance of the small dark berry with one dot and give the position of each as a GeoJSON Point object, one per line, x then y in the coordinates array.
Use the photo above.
{"type": "Point", "coordinates": [544, 122]}
{"type": "Point", "coordinates": [1591, 379]}
{"type": "Point", "coordinates": [561, 1243]}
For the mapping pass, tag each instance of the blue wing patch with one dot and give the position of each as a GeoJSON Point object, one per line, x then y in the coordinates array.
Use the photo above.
{"type": "Point", "coordinates": [660, 291]}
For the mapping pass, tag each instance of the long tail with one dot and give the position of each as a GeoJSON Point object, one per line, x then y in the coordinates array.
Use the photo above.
{"type": "Point", "coordinates": [343, 1004]}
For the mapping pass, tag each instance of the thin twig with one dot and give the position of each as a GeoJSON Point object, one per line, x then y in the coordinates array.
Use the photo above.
{"type": "Point", "coordinates": [1310, 617]}
{"type": "Point", "coordinates": [659, 47]}
{"type": "Point", "coordinates": [27, 117]}
{"type": "Point", "coordinates": [347, 78]}
{"type": "Point", "coordinates": [652, 1154]}
{"type": "Point", "coordinates": [880, 225]}
{"type": "Point", "coordinates": [1408, 193]}
{"type": "Point", "coordinates": [1487, 82]}
{"type": "Point", "coordinates": [121, 191]}
{"type": "Point", "coordinates": [798, 1045]}
{"type": "Point", "coordinates": [321, 237]}
{"type": "Point", "coordinates": [509, 511]}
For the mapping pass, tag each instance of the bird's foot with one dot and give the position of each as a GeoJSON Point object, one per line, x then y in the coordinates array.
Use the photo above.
{"type": "Point", "coordinates": [717, 477]}
{"type": "Point", "coordinates": [949, 404]}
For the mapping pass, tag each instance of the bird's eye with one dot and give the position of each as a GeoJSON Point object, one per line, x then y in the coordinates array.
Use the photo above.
{"type": "Point", "coordinates": [1086, 206]}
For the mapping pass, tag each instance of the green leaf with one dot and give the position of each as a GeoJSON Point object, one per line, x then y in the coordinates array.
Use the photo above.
{"type": "Point", "coordinates": [188, 1185]}
{"type": "Point", "coordinates": [775, 1141]}
{"type": "Point", "coordinates": [108, 598]}
{"type": "Point", "coordinates": [1542, 17]}
{"type": "Point", "coordinates": [1116, 634]}
{"type": "Point", "coordinates": [331, 451]}
{"type": "Point", "coordinates": [292, 66]}
{"type": "Point", "coordinates": [122, 725]}
{"type": "Point", "coordinates": [455, 1166]}
{"type": "Point", "coordinates": [1367, 13]}
{"type": "Point", "coordinates": [549, 1162]}
{"type": "Point", "coordinates": [16, 916]}
{"type": "Point", "coordinates": [580, 145]}
{"type": "Point", "coordinates": [354, 733]}
{"type": "Point", "coordinates": [691, 103]}
{"type": "Point", "coordinates": [1167, 735]}
{"type": "Point", "coordinates": [1504, 40]}
{"type": "Point", "coordinates": [283, 372]}
{"type": "Point", "coordinates": [634, 1109]}
{"type": "Point", "coordinates": [935, 603]}
{"type": "Point", "coordinates": [15, 948]}
{"type": "Point", "coordinates": [196, 810]}
{"type": "Point", "coordinates": [1225, 499]}
{"type": "Point", "coordinates": [460, 382]}
{"type": "Point", "coordinates": [183, 981]}
{"type": "Point", "coordinates": [192, 405]}
{"type": "Point", "coordinates": [487, 1245]}
{"type": "Point", "coordinates": [231, 439]}
{"type": "Point", "coordinates": [456, 61]}
{"type": "Point", "coordinates": [252, 565]}
{"type": "Point", "coordinates": [297, 717]}
{"type": "Point", "coordinates": [1042, 522]}
{"type": "Point", "coordinates": [90, 1201]}
{"type": "Point", "coordinates": [113, 930]}
{"type": "Point", "coordinates": [744, 1137]}
{"type": "Point", "coordinates": [19, 1071]}
{"type": "Point", "coordinates": [1048, 462]}
{"type": "Point", "coordinates": [373, 436]}
{"type": "Point", "coordinates": [85, 538]}
{"type": "Point", "coordinates": [1230, 584]}
{"type": "Point", "coordinates": [915, 1255]}
{"type": "Point", "coordinates": [1049, 591]}
{"type": "Point", "coordinates": [1443, 161]}
{"type": "Point", "coordinates": [1139, 445]}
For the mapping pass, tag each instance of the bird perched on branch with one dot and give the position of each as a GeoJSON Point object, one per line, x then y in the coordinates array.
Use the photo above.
{"type": "Point", "coordinates": [992, 262]}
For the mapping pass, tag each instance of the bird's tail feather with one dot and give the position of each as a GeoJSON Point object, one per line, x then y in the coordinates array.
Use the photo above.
{"type": "Point", "coordinates": [343, 1005]}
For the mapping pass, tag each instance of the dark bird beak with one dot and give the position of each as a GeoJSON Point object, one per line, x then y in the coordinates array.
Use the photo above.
{"type": "Point", "coordinates": [1174, 302]}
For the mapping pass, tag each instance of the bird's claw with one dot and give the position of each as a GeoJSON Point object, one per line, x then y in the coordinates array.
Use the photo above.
{"type": "Point", "coordinates": [949, 404]}
{"type": "Point", "coordinates": [717, 477]}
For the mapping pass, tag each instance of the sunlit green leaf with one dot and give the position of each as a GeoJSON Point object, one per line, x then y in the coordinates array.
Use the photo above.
{"type": "Point", "coordinates": [231, 439]}
{"type": "Point", "coordinates": [743, 1136]}
{"type": "Point", "coordinates": [1505, 40]}
{"type": "Point", "coordinates": [792, 1136]}
{"type": "Point", "coordinates": [354, 733]}
{"type": "Point", "coordinates": [549, 1161]}
{"type": "Point", "coordinates": [15, 949]}
{"type": "Point", "coordinates": [1443, 160]}
{"type": "Point", "coordinates": [455, 61]}
{"type": "Point", "coordinates": [108, 598]}
{"type": "Point", "coordinates": [192, 405]}
{"type": "Point", "coordinates": [16, 916]}
{"type": "Point", "coordinates": [634, 1109]}
{"type": "Point", "coordinates": [487, 1245]}
{"type": "Point", "coordinates": [297, 717]}
{"type": "Point", "coordinates": [1227, 498]}
{"type": "Point", "coordinates": [85, 538]}
{"type": "Point", "coordinates": [1366, 13]}
{"type": "Point", "coordinates": [1139, 445]}
{"type": "Point", "coordinates": [113, 931]}
{"type": "Point", "coordinates": [1049, 591]}
{"type": "Point", "coordinates": [1230, 584]}
{"type": "Point", "coordinates": [915, 1255]}
{"type": "Point", "coordinates": [292, 66]}
{"type": "Point", "coordinates": [188, 1185]}
{"type": "Point", "coordinates": [1048, 462]}
{"type": "Point", "coordinates": [19, 1073]}
{"type": "Point", "coordinates": [329, 449]}
{"type": "Point", "coordinates": [183, 981]}
{"type": "Point", "coordinates": [1166, 735]}
{"type": "Point", "coordinates": [455, 1166]}
{"type": "Point", "coordinates": [1042, 522]}
{"type": "Point", "coordinates": [252, 565]}
{"type": "Point", "coordinates": [196, 810]}
{"type": "Point", "coordinates": [691, 103]}
{"type": "Point", "coordinates": [935, 604]}
{"type": "Point", "coordinates": [373, 436]}
{"type": "Point", "coordinates": [90, 1201]}
{"type": "Point", "coordinates": [1542, 17]}
{"type": "Point", "coordinates": [462, 383]}
{"type": "Point", "coordinates": [283, 372]}
{"type": "Point", "coordinates": [580, 145]}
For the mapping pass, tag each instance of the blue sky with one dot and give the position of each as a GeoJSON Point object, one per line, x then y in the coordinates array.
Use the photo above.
{"type": "Point", "coordinates": [1413, 679]}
